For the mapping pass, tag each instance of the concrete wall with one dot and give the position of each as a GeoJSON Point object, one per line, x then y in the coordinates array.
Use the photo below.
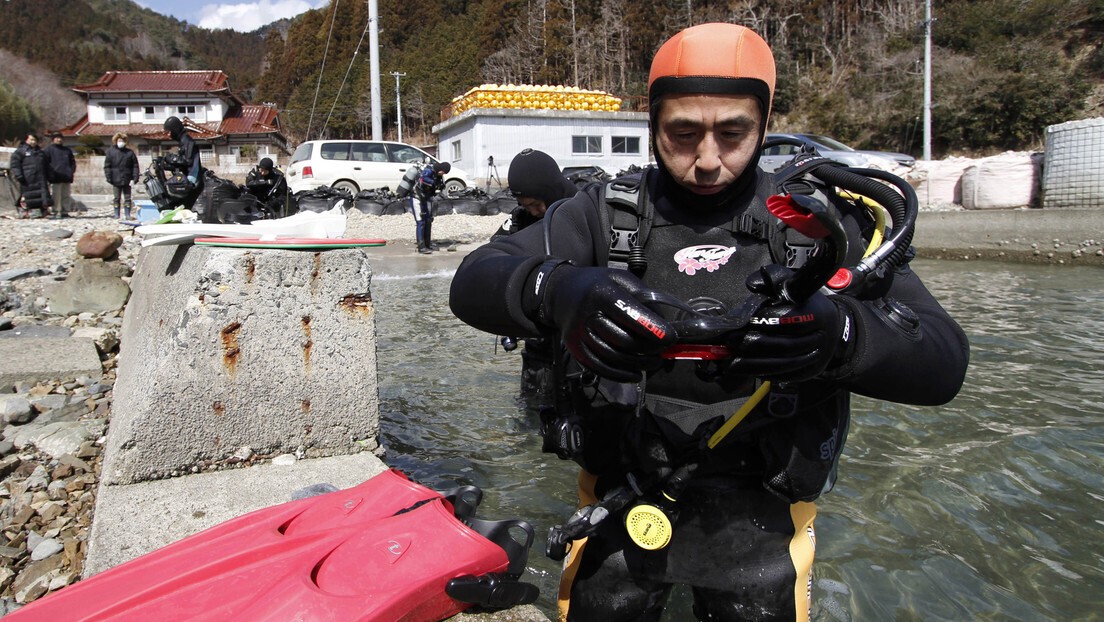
{"type": "Point", "coordinates": [224, 348]}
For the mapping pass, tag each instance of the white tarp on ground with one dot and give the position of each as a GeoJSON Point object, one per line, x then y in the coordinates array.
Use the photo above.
{"type": "Point", "coordinates": [998, 182]}
{"type": "Point", "coordinates": [1074, 168]}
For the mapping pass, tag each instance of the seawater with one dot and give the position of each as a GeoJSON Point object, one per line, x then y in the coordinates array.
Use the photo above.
{"type": "Point", "coordinates": [988, 508]}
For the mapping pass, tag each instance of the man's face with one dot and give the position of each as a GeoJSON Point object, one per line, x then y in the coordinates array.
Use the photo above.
{"type": "Point", "coordinates": [58, 140]}
{"type": "Point", "coordinates": [706, 141]}
{"type": "Point", "coordinates": [535, 207]}
{"type": "Point", "coordinates": [32, 141]}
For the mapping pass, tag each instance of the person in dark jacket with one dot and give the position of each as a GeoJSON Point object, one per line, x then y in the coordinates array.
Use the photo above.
{"type": "Point", "coordinates": [121, 170]}
{"type": "Point", "coordinates": [707, 470]}
{"type": "Point", "coordinates": [536, 182]}
{"type": "Point", "coordinates": [63, 166]}
{"type": "Point", "coordinates": [31, 169]}
{"type": "Point", "coordinates": [189, 152]}
{"type": "Point", "coordinates": [268, 184]}
{"type": "Point", "coordinates": [430, 181]}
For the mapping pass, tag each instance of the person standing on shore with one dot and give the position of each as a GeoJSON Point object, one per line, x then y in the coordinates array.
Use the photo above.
{"type": "Point", "coordinates": [121, 170]}
{"type": "Point", "coordinates": [717, 462]}
{"type": "Point", "coordinates": [31, 169]}
{"type": "Point", "coordinates": [63, 166]}
{"type": "Point", "coordinates": [431, 180]}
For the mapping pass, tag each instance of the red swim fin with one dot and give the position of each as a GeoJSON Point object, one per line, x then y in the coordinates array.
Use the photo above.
{"type": "Point", "coordinates": [385, 551]}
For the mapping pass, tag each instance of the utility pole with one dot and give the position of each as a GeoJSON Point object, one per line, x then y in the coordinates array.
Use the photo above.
{"type": "Point", "coordinates": [398, 102]}
{"type": "Point", "coordinates": [927, 80]}
{"type": "Point", "coordinates": [373, 44]}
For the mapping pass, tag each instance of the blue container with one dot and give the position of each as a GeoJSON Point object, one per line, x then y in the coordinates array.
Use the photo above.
{"type": "Point", "coordinates": [147, 212]}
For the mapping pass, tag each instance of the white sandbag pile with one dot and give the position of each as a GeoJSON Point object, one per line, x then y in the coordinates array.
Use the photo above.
{"type": "Point", "coordinates": [937, 182]}
{"type": "Point", "coordinates": [999, 182]}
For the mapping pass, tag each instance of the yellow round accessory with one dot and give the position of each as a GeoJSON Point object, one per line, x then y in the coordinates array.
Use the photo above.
{"type": "Point", "coordinates": [648, 527]}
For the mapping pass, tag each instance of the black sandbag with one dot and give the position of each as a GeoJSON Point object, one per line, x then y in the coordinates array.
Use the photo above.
{"type": "Point", "coordinates": [373, 202]}
{"type": "Point", "coordinates": [213, 193]}
{"type": "Point", "coordinates": [501, 202]}
{"type": "Point", "coordinates": [443, 206]}
{"type": "Point", "coordinates": [242, 210]}
{"type": "Point", "coordinates": [468, 207]}
{"type": "Point", "coordinates": [368, 206]}
{"type": "Point", "coordinates": [321, 199]}
{"type": "Point", "coordinates": [397, 207]}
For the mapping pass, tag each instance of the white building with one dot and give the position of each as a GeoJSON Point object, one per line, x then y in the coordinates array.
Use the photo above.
{"type": "Point", "coordinates": [471, 139]}
{"type": "Point", "coordinates": [136, 103]}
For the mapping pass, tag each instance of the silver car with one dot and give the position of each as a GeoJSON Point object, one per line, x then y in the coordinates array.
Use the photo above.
{"type": "Point", "coordinates": [781, 148]}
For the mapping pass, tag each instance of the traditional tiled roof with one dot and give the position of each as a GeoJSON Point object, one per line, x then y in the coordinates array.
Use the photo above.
{"type": "Point", "coordinates": [250, 119]}
{"type": "Point", "coordinates": [158, 82]}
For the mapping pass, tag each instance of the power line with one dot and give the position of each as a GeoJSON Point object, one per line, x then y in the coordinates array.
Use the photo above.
{"type": "Point", "coordinates": [324, 54]}
{"type": "Point", "coordinates": [350, 68]}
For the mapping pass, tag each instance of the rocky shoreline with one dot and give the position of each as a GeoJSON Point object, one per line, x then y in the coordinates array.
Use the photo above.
{"type": "Point", "coordinates": [53, 431]}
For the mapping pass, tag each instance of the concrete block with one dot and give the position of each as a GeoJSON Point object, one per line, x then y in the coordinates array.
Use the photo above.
{"type": "Point", "coordinates": [34, 359]}
{"type": "Point", "coordinates": [224, 348]}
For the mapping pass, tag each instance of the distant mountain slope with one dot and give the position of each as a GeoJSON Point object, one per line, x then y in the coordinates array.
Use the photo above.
{"type": "Point", "coordinates": [80, 39]}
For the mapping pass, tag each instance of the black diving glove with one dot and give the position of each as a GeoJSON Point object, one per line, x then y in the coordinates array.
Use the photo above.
{"type": "Point", "coordinates": [597, 316]}
{"type": "Point", "coordinates": [790, 342]}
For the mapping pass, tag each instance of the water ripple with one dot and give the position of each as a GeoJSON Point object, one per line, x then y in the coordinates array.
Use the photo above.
{"type": "Point", "coordinates": [984, 509]}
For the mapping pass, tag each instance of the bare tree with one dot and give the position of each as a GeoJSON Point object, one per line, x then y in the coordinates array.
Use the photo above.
{"type": "Point", "coordinates": [56, 105]}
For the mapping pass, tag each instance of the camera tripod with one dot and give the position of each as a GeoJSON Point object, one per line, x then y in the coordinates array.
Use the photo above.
{"type": "Point", "coordinates": [492, 173]}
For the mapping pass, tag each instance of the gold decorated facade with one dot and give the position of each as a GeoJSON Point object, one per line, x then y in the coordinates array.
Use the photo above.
{"type": "Point", "coordinates": [532, 97]}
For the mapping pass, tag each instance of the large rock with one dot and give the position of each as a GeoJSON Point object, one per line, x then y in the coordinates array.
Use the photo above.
{"type": "Point", "coordinates": [225, 348]}
{"type": "Point", "coordinates": [99, 244]}
{"type": "Point", "coordinates": [93, 285]}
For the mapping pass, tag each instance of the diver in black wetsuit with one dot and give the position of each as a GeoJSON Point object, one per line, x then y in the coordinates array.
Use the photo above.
{"type": "Point", "coordinates": [536, 182]}
{"type": "Point", "coordinates": [741, 520]}
{"type": "Point", "coordinates": [187, 155]}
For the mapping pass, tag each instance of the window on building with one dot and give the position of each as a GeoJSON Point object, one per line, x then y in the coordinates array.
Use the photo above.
{"type": "Point", "coordinates": [457, 152]}
{"type": "Point", "coordinates": [625, 144]}
{"type": "Point", "coordinates": [115, 113]}
{"type": "Point", "coordinates": [189, 111]}
{"type": "Point", "coordinates": [586, 144]}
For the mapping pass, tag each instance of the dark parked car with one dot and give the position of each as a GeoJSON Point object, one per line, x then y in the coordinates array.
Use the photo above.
{"type": "Point", "coordinates": [779, 149]}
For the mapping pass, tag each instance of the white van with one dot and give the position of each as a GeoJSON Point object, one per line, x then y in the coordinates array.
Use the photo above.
{"type": "Point", "coordinates": [356, 165]}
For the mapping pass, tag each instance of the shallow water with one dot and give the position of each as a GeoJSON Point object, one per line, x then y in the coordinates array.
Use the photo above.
{"type": "Point", "coordinates": [985, 509]}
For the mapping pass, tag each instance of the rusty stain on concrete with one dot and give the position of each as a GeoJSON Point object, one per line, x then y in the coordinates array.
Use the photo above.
{"type": "Point", "coordinates": [231, 351]}
{"type": "Point", "coordinates": [360, 304]}
{"type": "Point", "coordinates": [307, 341]}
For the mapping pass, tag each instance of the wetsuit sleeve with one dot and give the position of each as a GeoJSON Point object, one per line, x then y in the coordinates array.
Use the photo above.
{"type": "Point", "coordinates": [907, 348]}
{"type": "Point", "coordinates": [488, 287]}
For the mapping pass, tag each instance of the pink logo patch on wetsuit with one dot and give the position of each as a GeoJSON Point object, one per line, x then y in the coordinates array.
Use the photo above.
{"type": "Point", "coordinates": [708, 257]}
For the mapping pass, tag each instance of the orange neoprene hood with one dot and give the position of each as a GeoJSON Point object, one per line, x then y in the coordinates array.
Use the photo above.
{"type": "Point", "coordinates": [714, 58]}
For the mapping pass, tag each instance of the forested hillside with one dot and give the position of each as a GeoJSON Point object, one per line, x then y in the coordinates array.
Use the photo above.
{"type": "Point", "coordinates": [1003, 69]}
